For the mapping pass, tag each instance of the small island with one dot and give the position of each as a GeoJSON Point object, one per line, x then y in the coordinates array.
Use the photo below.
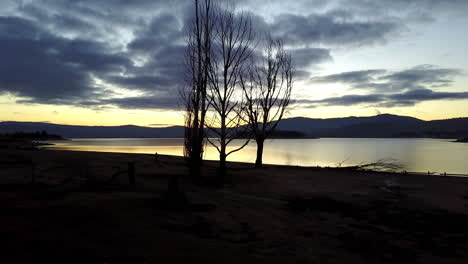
{"type": "Point", "coordinates": [462, 140]}
{"type": "Point", "coordinates": [27, 140]}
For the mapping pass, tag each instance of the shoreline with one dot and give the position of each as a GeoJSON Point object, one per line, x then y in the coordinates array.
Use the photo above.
{"type": "Point", "coordinates": [251, 164]}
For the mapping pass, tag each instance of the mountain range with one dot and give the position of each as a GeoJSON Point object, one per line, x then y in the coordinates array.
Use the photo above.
{"type": "Point", "coordinates": [380, 126]}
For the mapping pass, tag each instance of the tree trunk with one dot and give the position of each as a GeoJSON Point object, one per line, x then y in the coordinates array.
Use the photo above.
{"type": "Point", "coordinates": [196, 149]}
{"type": "Point", "coordinates": [222, 165]}
{"type": "Point", "coordinates": [259, 160]}
{"type": "Point", "coordinates": [222, 160]}
{"type": "Point", "coordinates": [195, 168]}
{"type": "Point", "coordinates": [222, 153]}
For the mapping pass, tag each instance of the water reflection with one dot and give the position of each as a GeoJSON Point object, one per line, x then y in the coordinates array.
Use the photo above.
{"type": "Point", "coordinates": [435, 155]}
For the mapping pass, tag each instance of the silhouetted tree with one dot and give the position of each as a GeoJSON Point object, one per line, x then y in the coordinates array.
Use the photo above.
{"type": "Point", "coordinates": [233, 42]}
{"type": "Point", "coordinates": [267, 90]}
{"type": "Point", "coordinates": [197, 61]}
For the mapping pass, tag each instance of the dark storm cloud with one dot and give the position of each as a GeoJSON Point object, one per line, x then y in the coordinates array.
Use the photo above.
{"type": "Point", "coordinates": [109, 11]}
{"type": "Point", "coordinates": [53, 51]}
{"type": "Point", "coordinates": [30, 65]}
{"type": "Point", "coordinates": [415, 96]}
{"type": "Point", "coordinates": [113, 21]}
{"type": "Point", "coordinates": [140, 82]}
{"type": "Point", "coordinates": [379, 7]}
{"type": "Point", "coordinates": [72, 19]}
{"type": "Point", "coordinates": [406, 11]}
{"type": "Point", "coordinates": [79, 41]}
{"type": "Point", "coordinates": [147, 102]}
{"type": "Point", "coordinates": [306, 57]}
{"type": "Point", "coordinates": [423, 75]}
{"type": "Point", "coordinates": [49, 69]}
{"type": "Point", "coordinates": [409, 98]}
{"type": "Point", "coordinates": [352, 77]}
{"type": "Point", "coordinates": [57, 21]}
{"type": "Point", "coordinates": [163, 30]}
{"type": "Point", "coordinates": [160, 101]}
{"type": "Point", "coordinates": [419, 77]}
{"type": "Point", "coordinates": [331, 28]}
{"type": "Point", "coordinates": [301, 75]}
{"type": "Point", "coordinates": [346, 100]}
{"type": "Point", "coordinates": [169, 60]}
{"type": "Point", "coordinates": [163, 71]}
{"type": "Point", "coordinates": [91, 56]}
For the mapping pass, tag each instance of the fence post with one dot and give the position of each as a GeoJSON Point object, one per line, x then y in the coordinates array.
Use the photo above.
{"type": "Point", "coordinates": [33, 173]}
{"type": "Point", "coordinates": [156, 159]}
{"type": "Point", "coordinates": [131, 173]}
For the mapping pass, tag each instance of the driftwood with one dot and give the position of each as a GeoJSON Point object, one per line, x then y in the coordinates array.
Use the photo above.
{"type": "Point", "coordinates": [387, 165]}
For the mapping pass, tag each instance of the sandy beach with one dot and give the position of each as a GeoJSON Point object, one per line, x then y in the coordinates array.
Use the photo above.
{"type": "Point", "coordinates": [76, 211]}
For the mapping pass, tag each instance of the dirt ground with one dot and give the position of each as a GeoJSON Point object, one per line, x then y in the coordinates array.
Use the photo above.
{"type": "Point", "coordinates": [77, 212]}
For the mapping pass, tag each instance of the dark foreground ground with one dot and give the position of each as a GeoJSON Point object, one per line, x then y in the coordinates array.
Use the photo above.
{"type": "Point", "coordinates": [75, 212]}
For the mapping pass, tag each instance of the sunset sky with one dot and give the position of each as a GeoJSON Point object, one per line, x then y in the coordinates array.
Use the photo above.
{"type": "Point", "coordinates": [117, 62]}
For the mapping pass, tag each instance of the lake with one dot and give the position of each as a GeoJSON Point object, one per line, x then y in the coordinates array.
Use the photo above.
{"type": "Point", "coordinates": [416, 155]}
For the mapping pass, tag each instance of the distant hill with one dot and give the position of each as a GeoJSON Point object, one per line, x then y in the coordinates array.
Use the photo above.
{"type": "Point", "coordinates": [69, 131]}
{"type": "Point", "coordinates": [380, 126]}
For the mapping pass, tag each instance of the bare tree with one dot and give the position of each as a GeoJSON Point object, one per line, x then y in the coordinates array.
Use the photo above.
{"type": "Point", "coordinates": [231, 50]}
{"type": "Point", "coordinates": [267, 89]}
{"type": "Point", "coordinates": [197, 61]}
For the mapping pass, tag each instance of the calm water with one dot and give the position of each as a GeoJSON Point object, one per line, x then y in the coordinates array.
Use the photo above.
{"type": "Point", "coordinates": [419, 155]}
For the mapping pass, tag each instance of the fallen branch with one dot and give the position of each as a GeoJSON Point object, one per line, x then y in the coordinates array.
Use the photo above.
{"type": "Point", "coordinates": [387, 165]}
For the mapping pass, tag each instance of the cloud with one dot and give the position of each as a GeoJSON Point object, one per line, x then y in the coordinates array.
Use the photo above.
{"type": "Point", "coordinates": [401, 6]}
{"type": "Point", "coordinates": [413, 97]}
{"type": "Point", "coordinates": [162, 71]}
{"type": "Point", "coordinates": [352, 77]}
{"type": "Point", "coordinates": [134, 45]}
{"type": "Point", "coordinates": [66, 23]}
{"type": "Point", "coordinates": [163, 30]}
{"type": "Point", "coordinates": [386, 88]}
{"type": "Point", "coordinates": [141, 82]}
{"type": "Point", "coordinates": [30, 67]}
{"type": "Point", "coordinates": [81, 52]}
{"type": "Point", "coordinates": [306, 57]}
{"type": "Point", "coordinates": [346, 100]}
{"type": "Point", "coordinates": [422, 75]}
{"type": "Point", "coordinates": [409, 98]}
{"type": "Point", "coordinates": [155, 101]}
{"type": "Point", "coordinates": [44, 68]}
{"type": "Point", "coordinates": [418, 77]}
{"type": "Point", "coordinates": [331, 28]}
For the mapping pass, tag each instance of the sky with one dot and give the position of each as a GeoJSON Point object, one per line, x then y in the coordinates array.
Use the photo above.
{"type": "Point", "coordinates": [118, 62]}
